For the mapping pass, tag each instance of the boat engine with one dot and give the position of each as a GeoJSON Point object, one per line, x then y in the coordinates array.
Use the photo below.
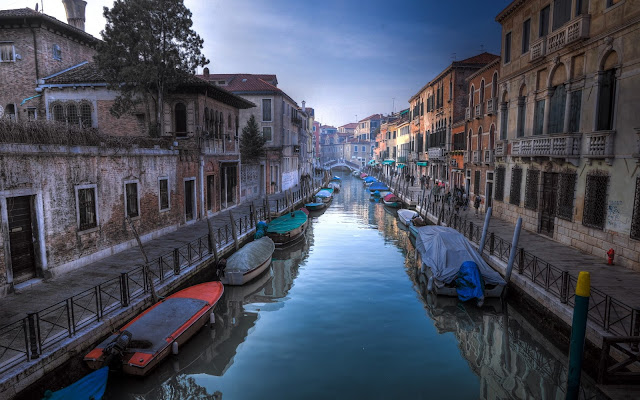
{"type": "Point", "coordinates": [116, 348]}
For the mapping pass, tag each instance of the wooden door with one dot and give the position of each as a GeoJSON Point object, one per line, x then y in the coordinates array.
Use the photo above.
{"type": "Point", "coordinates": [21, 239]}
{"type": "Point", "coordinates": [548, 205]}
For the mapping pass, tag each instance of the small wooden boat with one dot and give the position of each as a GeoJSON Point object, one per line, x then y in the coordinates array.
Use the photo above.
{"type": "Point", "coordinates": [325, 195]}
{"type": "Point", "coordinates": [392, 200]}
{"type": "Point", "coordinates": [405, 216]}
{"type": "Point", "coordinates": [335, 186]}
{"type": "Point", "coordinates": [287, 228]}
{"type": "Point", "coordinates": [315, 206]}
{"type": "Point", "coordinates": [248, 262]}
{"type": "Point", "coordinates": [91, 386]}
{"type": "Point", "coordinates": [145, 341]}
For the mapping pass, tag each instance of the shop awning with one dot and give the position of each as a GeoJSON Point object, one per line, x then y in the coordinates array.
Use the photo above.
{"type": "Point", "coordinates": [401, 165]}
{"type": "Point", "coordinates": [372, 162]}
{"type": "Point", "coordinates": [422, 163]}
{"type": "Point", "coordinates": [388, 162]}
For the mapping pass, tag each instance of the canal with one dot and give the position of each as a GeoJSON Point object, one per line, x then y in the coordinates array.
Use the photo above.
{"type": "Point", "coordinates": [341, 315]}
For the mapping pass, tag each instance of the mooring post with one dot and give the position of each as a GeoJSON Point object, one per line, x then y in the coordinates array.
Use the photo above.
{"type": "Point", "coordinates": [578, 329]}
{"type": "Point", "coordinates": [234, 233]}
{"type": "Point", "coordinates": [212, 241]}
{"type": "Point", "coordinates": [514, 247]}
{"type": "Point", "coordinates": [485, 229]}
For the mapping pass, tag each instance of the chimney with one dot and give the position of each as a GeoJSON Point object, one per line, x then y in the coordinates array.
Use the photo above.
{"type": "Point", "coordinates": [303, 103]}
{"type": "Point", "coordinates": [205, 72]}
{"type": "Point", "coordinates": [75, 12]}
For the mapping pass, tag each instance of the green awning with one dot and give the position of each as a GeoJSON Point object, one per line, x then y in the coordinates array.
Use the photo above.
{"type": "Point", "coordinates": [401, 165]}
{"type": "Point", "coordinates": [388, 162]}
{"type": "Point", "coordinates": [371, 162]}
{"type": "Point", "coordinates": [422, 163]}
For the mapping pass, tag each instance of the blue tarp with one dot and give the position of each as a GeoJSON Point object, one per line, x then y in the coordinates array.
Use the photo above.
{"type": "Point", "coordinates": [91, 386]}
{"type": "Point", "coordinates": [336, 178]}
{"type": "Point", "coordinates": [378, 186]}
{"type": "Point", "coordinates": [370, 179]}
{"type": "Point", "coordinates": [261, 230]}
{"type": "Point", "coordinates": [469, 282]}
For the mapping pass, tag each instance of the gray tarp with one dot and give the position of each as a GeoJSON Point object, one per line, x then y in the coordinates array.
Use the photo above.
{"type": "Point", "coordinates": [250, 255]}
{"type": "Point", "coordinates": [444, 250]}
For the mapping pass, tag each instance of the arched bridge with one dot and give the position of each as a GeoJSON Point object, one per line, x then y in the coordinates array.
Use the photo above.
{"type": "Point", "coordinates": [342, 163]}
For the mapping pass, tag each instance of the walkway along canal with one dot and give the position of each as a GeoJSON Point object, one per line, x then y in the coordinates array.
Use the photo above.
{"type": "Point", "coordinates": [341, 315]}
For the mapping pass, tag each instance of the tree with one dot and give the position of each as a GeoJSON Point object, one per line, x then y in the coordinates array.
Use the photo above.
{"type": "Point", "coordinates": [252, 142]}
{"type": "Point", "coordinates": [148, 49]}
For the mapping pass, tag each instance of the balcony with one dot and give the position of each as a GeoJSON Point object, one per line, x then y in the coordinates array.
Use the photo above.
{"type": "Point", "coordinates": [436, 153]}
{"type": "Point", "coordinates": [402, 159]}
{"type": "Point", "coordinates": [476, 156]}
{"type": "Point", "coordinates": [600, 146]}
{"type": "Point", "coordinates": [576, 29]}
{"type": "Point", "coordinates": [488, 156]}
{"type": "Point", "coordinates": [478, 111]}
{"type": "Point", "coordinates": [538, 49]}
{"type": "Point", "coordinates": [467, 157]}
{"type": "Point", "coordinates": [467, 114]}
{"type": "Point", "coordinates": [565, 146]}
{"type": "Point", "coordinates": [501, 148]}
{"type": "Point", "coordinates": [492, 106]}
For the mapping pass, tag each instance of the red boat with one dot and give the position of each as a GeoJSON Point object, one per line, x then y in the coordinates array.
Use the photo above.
{"type": "Point", "coordinates": [151, 336]}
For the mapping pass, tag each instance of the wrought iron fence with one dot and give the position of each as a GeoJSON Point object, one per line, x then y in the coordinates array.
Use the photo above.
{"type": "Point", "coordinates": [27, 338]}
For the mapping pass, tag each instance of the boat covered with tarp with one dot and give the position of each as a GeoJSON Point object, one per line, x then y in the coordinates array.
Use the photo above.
{"type": "Point", "coordinates": [405, 216]}
{"type": "Point", "coordinates": [369, 179]}
{"type": "Point", "coordinates": [379, 186]}
{"type": "Point", "coordinates": [288, 227]}
{"type": "Point", "coordinates": [91, 386]}
{"type": "Point", "coordinates": [325, 195]}
{"type": "Point", "coordinates": [334, 185]}
{"type": "Point", "coordinates": [363, 175]}
{"type": "Point", "coordinates": [149, 338]}
{"type": "Point", "coordinates": [392, 200]}
{"type": "Point", "coordinates": [248, 262]}
{"type": "Point", "coordinates": [453, 267]}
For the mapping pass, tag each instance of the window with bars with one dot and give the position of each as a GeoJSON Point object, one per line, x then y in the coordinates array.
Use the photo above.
{"type": "Point", "coordinates": [516, 182]}
{"type": "Point", "coordinates": [566, 189]}
{"type": "Point", "coordinates": [531, 191]}
{"type": "Point", "coordinates": [595, 201]}
{"type": "Point", "coordinates": [500, 172]}
{"type": "Point", "coordinates": [58, 112]}
{"type": "Point", "coordinates": [85, 115]}
{"type": "Point", "coordinates": [131, 199]}
{"type": "Point", "coordinates": [163, 184]}
{"type": "Point", "coordinates": [635, 220]}
{"type": "Point", "coordinates": [72, 114]}
{"type": "Point", "coordinates": [87, 216]}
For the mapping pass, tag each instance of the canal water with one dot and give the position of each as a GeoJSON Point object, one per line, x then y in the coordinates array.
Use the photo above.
{"type": "Point", "coordinates": [341, 316]}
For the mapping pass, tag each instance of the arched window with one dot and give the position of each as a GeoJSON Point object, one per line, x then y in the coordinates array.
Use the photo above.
{"type": "Point", "coordinates": [607, 92]}
{"type": "Point", "coordinates": [58, 113]}
{"type": "Point", "coordinates": [85, 115]}
{"type": "Point", "coordinates": [229, 121]}
{"type": "Point", "coordinates": [180, 116]}
{"type": "Point", "coordinates": [480, 139]}
{"type": "Point", "coordinates": [205, 120]}
{"type": "Point", "coordinates": [494, 85]}
{"type": "Point", "coordinates": [482, 92]}
{"type": "Point", "coordinates": [471, 94]}
{"type": "Point", "coordinates": [72, 114]}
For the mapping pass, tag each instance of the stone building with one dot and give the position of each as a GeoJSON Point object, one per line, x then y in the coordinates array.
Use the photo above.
{"type": "Point", "coordinates": [444, 100]}
{"type": "Point", "coordinates": [367, 127]}
{"type": "Point", "coordinates": [281, 124]}
{"type": "Point", "coordinates": [479, 135]}
{"type": "Point", "coordinates": [568, 124]}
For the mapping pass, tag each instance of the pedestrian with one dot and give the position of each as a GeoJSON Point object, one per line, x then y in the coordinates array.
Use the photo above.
{"type": "Point", "coordinates": [465, 201]}
{"type": "Point", "coordinates": [413, 179]}
{"type": "Point", "coordinates": [423, 181]}
{"type": "Point", "coordinates": [476, 203]}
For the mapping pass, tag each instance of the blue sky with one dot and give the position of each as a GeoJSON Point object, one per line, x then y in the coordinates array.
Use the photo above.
{"type": "Point", "coordinates": [344, 58]}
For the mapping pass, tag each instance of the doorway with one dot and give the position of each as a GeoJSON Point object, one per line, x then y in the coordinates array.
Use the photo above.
{"type": "Point", "coordinates": [548, 203]}
{"type": "Point", "coordinates": [189, 200]}
{"type": "Point", "coordinates": [21, 238]}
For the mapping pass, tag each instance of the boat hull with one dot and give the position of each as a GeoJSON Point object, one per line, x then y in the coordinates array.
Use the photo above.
{"type": "Point", "coordinates": [283, 239]}
{"type": "Point", "coordinates": [315, 206]}
{"type": "Point", "coordinates": [239, 278]}
{"type": "Point", "coordinates": [393, 204]}
{"type": "Point", "coordinates": [443, 289]}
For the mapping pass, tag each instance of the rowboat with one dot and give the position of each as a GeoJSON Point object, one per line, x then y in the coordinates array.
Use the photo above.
{"type": "Point", "coordinates": [287, 228]}
{"type": "Point", "coordinates": [325, 195]}
{"type": "Point", "coordinates": [145, 341]}
{"type": "Point", "coordinates": [405, 216]}
{"type": "Point", "coordinates": [315, 206]}
{"type": "Point", "coordinates": [248, 262]}
{"type": "Point", "coordinates": [453, 267]}
{"type": "Point", "coordinates": [91, 386]}
{"type": "Point", "coordinates": [334, 185]}
{"type": "Point", "coordinates": [392, 200]}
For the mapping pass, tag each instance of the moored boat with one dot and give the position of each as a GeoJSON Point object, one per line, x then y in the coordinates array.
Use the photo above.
{"type": "Point", "coordinates": [379, 186]}
{"type": "Point", "coordinates": [453, 267]}
{"type": "Point", "coordinates": [248, 262]}
{"type": "Point", "coordinates": [287, 228]}
{"type": "Point", "coordinates": [405, 216]}
{"type": "Point", "coordinates": [145, 341]}
{"type": "Point", "coordinates": [315, 206]}
{"type": "Point", "coordinates": [334, 185]}
{"type": "Point", "coordinates": [91, 386]}
{"type": "Point", "coordinates": [325, 195]}
{"type": "Point", "coordinates": [391, 200]}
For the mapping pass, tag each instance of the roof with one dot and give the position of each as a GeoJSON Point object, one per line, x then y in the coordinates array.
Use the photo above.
{"type": "Point", "coordinates": [86, 73]}
{"type": "Point", "coordinates": [482, 58]}
{"type": "Point", "coordinates": [370, 117]}
{"type": "Point", "coordinates": [509, 10]}
{"type": "Point", "coordinates": [485, 68]}
{"type": "Point", "coordinates": [27, 15]}
{"type": "Point", "coordinates": [247, 84]}
{"type": "Point", "coordinates": [351, 125]}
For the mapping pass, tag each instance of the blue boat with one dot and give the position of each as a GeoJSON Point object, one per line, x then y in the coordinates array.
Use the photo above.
{"type": "Point", "coordinates": [379, 186]}
{"type": "Point", "coordinates": [91, 386]}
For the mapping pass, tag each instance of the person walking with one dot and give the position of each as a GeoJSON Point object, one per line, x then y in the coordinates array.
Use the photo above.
{"type": "Point", "coordinates": [413, 179]}
{"type": "Point", "coordinates": [476, 203]}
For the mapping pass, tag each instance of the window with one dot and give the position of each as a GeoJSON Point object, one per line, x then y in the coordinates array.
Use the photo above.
{"type": "Point", "coordinates": [181, 119]}
{"type": "Point", "coordinates": [266, 110]}
{"type": "Point", "coordinates": [86, 202]}
{"type": "Point", "coordinates": [476, 182]}
{"type": "Point", "coordinates": [556, 112]}
{"type": "Point", "coordinates": [131, 199]}
{"type": "Point", "coordinates": [561, 13]}
{"type": "Point", "coordinates": [85, 115]}
{"type": "Point", "coordinates": [531, 189]}
{"type": "Point", "coordinates": [58, 113]}
{"type": "Point", "coordinates": [32, 114]}
{"type": "Point", "coordinates": [538, 117]}
{"type": "Point", "coordinates": [566, 188]}
{"type": "Point", "coordinates": [606, 100]}
{"type": "Point", "coordinates": [355, 148]}
{"type": "Point", "coordinates": [516, 182]}
{"type": "Point", "coordinates": [574, 111]}
{"type": "Point", "coordinates": [595, 201]}
{"type": "Point", "coordinates": [72, 114]}
{"type": "Point", "coordinates": [10, 112]}
{"type": "Point", "coordinates": [526, 35]}
{"type": "Point", "coordinates": [229, 121]}
{"type": "Point", "coordinates": [266, 133]}
{"type": "Point", "coordinates": [612, 2]}
{"type": "Point", "coordinates": [504, 121]}
{"type": "Point", "coordinates": [364, 149]}
{"type": "Point", "coordinates": [500, 183]}
{"type": "Point", "coordinates": [163, 188]}
{"type": "Point", "coordinates": [544, 22]}
{"type": "Point", "coordinates": [507, 48]}
{"type": "Point", "coordinates": [7, 52]}
{"type": "Point", "coordinates": [57, 53]}
{"type": "Point", "coordinates": [522, 110]}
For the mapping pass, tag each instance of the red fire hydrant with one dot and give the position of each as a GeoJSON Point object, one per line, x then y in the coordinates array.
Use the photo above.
{"type": "Point", "coordinates": [610, 254]}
